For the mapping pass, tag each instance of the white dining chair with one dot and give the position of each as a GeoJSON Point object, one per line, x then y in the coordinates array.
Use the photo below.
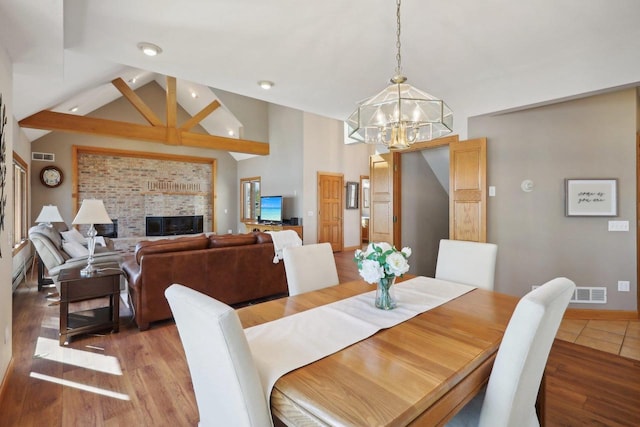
{"type": "Point", "coordinates": [470, 263]}
{"type": "Point", "coordinates": [225, 379]}
{"type": "Point", "coordinates": [309, 267]}
{"type": "Point", "coordinates": [509, 398]}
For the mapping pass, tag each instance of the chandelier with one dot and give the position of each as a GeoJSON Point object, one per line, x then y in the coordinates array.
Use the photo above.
{"type": "Point", "coordinates": [401, 114]}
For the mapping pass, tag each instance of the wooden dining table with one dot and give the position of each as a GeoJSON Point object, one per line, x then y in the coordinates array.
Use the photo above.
{"type": "Point", "coordinates": [420, 372]}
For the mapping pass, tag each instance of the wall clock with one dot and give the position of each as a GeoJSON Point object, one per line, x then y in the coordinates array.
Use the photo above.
{"type": "Point", "coordinates": [51, 176]}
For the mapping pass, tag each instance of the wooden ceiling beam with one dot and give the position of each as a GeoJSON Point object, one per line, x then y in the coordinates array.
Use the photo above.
{"type": "Point", "coordinates": [137, 102]}
{"type": "Point", "coordinates": [200, 115]}
{"type": "Point", "coordinates": [172, 103]}
{"type": "Point", "coordinates": [52, 120]}
{"type": "Point", "coordinates": [224, 143]}
{"type": "Point", "coordinates": [63, 122]}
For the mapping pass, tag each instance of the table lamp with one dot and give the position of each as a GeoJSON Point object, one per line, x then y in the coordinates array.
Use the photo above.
{"type": "Point", "coordinates": [91, 212]}
{"type": "Point", "coordinates": [49, 214]}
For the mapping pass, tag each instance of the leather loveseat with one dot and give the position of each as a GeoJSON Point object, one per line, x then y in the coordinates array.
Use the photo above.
{"type": "Point", "coordinates": [234, 269]}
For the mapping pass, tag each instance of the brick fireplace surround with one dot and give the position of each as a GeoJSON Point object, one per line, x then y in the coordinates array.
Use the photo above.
{"type": "Point", "coordinates": [134, 186]}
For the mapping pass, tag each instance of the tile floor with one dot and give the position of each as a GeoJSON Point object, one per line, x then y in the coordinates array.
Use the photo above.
{"type": "Point", "coordinates": [613, 336]}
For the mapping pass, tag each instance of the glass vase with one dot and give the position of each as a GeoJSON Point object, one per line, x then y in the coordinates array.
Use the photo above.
{"type": "Point", "coordinates": [384, 296]}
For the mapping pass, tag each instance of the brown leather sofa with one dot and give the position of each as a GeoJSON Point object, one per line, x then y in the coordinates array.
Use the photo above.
{"type": "Point", "coordinates": [234, 269]}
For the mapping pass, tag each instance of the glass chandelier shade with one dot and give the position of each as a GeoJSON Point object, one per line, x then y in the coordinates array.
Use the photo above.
{"type": "Point", "coordinates": [401, 114]}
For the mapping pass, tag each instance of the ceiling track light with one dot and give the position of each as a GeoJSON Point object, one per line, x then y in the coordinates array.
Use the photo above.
{"type": "Point", "coordinates": [149, 49]}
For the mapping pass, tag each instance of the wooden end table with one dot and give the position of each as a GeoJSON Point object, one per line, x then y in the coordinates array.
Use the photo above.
{"type": "Point", "coordinates": [105, 282]}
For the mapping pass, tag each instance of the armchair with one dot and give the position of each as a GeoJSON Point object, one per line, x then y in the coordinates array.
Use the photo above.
{"type": "Point", "coordinates": [48, 244]}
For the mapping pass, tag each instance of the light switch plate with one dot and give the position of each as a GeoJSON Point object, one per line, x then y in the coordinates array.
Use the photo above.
{"type": "Point", "coordinates": [623, 285]}
{"type": "Point", "coordinates": [618, 225]}
{"type": "Point", "coordinates": [492, 191]}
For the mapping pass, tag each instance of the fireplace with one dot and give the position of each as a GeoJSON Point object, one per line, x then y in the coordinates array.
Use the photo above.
{"type": "Point", "coordinates": [174, 225]}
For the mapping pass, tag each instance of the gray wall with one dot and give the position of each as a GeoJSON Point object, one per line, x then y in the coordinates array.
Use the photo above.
{"type": "Point", "coordinates": [301, 145]}
{"type": "Point", "coordinates": [154, 96]}
{"type": "Point", "coordinates": [252, 113]}
{"type": "Point", "coordinates": [281, 171]}
{"type": "Point", "coordinates": [425, 213]}
{"type": "Point", "coordinates": [593, 137]}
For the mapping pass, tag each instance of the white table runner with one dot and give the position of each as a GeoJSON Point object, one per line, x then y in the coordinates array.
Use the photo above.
{"type": "Point", "coordinates": [288, 343]}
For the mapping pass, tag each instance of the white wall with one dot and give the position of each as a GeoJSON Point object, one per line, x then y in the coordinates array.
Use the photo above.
{"type": "Point", "coordinates": [5, 235]}
{"type": "Point", "coordinates": [594, 137]}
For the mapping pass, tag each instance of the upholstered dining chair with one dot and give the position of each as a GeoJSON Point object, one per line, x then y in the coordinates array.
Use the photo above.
{"type": "Point", "coordinates": [225, 379]}
{"type": "Point", "coordinates": [309, 267]}
{"type": "Point", "coordinates": [471, 263]}
{"type": "Point", "coordinates": [510, 396]}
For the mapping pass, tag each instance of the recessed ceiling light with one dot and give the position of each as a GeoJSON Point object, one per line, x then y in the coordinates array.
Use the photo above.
{"type": "Point", "coordinates": [149, 49]}
{"type": "Point", "coordinates": [265, 84]}
{"type": "Point", "coordinates": [73, 109]}
{"type": "Point", "coordinates": [194, 95]}
{"type": "Point", "coordinates": [230, 133]}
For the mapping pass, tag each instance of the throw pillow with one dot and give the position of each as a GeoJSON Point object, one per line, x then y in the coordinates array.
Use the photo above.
{"type": "Point", "coordinates": [73, 235]}
{"type": "Point", "coordinates": [74, 249]}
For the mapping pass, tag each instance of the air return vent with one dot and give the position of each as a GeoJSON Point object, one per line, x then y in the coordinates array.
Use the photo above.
{"type": "Point", "coordinates": [43, 157]}
{"type": "Point", "coordinates": [588, 295]}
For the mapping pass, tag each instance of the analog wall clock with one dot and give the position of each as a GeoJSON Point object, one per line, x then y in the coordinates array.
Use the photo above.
{"type": "Point", "coordinates": [51, 176]}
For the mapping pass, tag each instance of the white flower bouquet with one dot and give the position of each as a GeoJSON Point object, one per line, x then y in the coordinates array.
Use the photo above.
{"type": "Point", "coordinates": [381, 260]}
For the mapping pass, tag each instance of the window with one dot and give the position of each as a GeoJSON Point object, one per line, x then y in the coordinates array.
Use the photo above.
{"type": "Point", "coordinates": [249, 199]}
{"type": "Point", "coordinates": [20, 201]}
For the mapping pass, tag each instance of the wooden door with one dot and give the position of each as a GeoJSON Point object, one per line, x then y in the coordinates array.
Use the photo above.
{"type": "Point", "coordinates": [384, 186]}
{"type": "Point", "coordinates": [468, 190]}
{"type": "Point", "coordinates": [330, 209]}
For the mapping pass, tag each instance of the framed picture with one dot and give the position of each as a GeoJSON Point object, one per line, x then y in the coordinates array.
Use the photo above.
{"type": "Point", "coordinates": [591, 197]}
{"type": "Point", "coordinates": [352, 195]}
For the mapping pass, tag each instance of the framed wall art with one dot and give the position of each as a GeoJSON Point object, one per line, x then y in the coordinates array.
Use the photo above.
{"type": "Point", "coordinates": [352, 195]}
{"type": "Point", "coordinates": [591, 197]}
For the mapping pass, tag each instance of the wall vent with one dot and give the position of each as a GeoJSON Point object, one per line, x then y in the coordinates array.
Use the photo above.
{"type": "Point", "coordinates": [587, 295]}
{"type": "Point", "coordinates": [43, 157]}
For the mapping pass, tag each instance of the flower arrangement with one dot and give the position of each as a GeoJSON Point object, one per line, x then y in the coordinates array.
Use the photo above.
{"type": "Point", "coordinates": [381, 263]}
{"type": "Point", "coordinates": [381, 260]}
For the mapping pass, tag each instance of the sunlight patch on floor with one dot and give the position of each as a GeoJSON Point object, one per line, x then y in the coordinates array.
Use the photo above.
{"type": "Point", "coordinates": [50, 349]}
{"type": "Point", "coordinates": [67, 383]}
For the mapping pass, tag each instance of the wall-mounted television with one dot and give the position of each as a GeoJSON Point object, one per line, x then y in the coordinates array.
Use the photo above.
{"type": "Point", "coordinates": [271, 209]}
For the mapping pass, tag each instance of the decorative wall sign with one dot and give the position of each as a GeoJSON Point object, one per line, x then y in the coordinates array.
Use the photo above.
{"type": "Point", "coordinates": [3, 165]}
{"type": "Point", "coordinates": [591, 197]}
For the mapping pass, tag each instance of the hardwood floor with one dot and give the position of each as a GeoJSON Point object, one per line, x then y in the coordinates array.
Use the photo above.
{"type": "Point", "coordinates": [141, 378]}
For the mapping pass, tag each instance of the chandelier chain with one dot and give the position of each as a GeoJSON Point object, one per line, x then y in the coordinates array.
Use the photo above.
{"type": "Point", "coordinates": [398, 44]}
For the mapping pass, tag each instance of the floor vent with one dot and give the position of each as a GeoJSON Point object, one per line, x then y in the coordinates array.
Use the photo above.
{"type": "Point", "coordinates": [588, 295]}
{"type": "Point", "coordinates": [43, 157]}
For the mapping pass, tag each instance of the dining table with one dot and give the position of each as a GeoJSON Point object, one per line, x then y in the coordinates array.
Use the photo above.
{"type": "Point", "coordinates": [421, 371]}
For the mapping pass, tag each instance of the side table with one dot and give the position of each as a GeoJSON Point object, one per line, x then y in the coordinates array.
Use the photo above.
{"type": "Point", "coordinates": [105, 282]}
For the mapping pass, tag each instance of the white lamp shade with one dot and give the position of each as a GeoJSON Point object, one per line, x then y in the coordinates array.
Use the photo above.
{"type": "Point", "coordinates": [92, 211]}
{"type": "Point", "coordinates": [49, 214]}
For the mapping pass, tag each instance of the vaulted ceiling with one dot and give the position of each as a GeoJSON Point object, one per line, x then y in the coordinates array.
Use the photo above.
{"type": "Point", "coordinates": [324, 56]}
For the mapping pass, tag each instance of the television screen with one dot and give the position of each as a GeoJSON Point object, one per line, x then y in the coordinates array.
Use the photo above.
{"type": "Point", "coordinates": [271, 208]}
